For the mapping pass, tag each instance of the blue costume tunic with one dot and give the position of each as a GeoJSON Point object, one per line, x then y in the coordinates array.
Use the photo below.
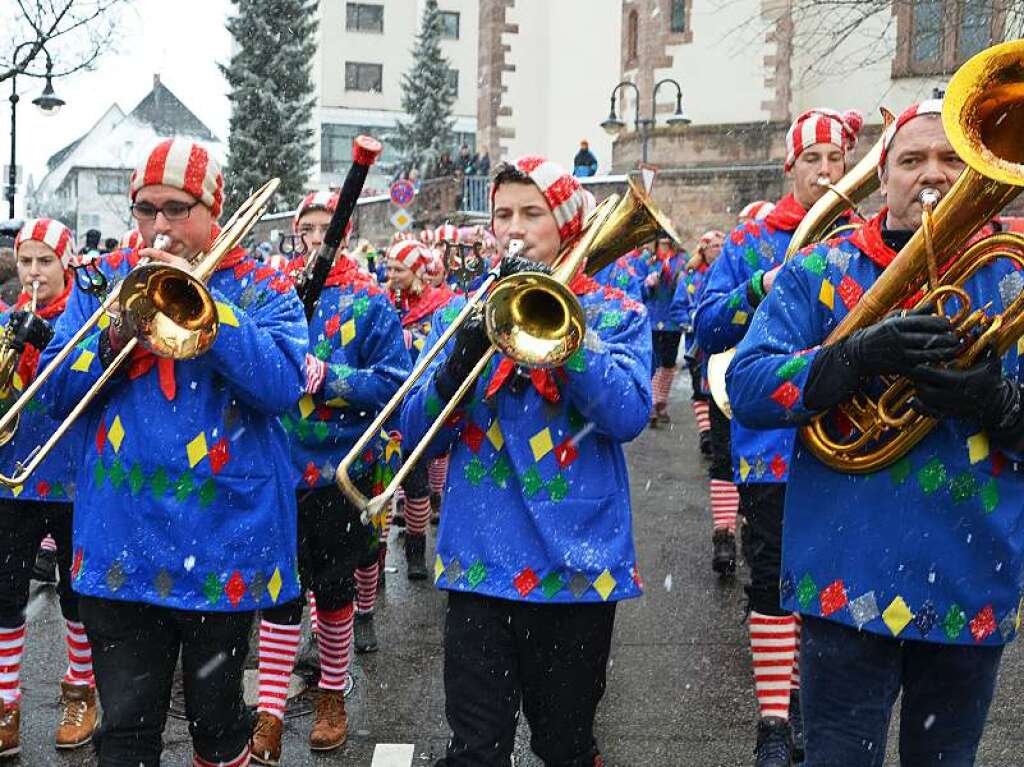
{"type": "Point", "coordinates": [538, 507]}
{"type": "Point", "coordinates": [185, 496]}
{"type": "Point", "coordinates": [929, 548]}
{"type": "Point", "coordinates": [658, 298]}
{"type": "Point", "coordinates": [622, 274]}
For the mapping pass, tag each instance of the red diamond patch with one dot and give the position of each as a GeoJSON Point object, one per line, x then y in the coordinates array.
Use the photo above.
{"type": "Point", "coordinates": [235, 588]}
{"type": "Point", "coordinates": [566, 453]}
{"type": "Point", "coordinates": [526, 581]}
{"type": "Point", "coordinates": [778, 466]}
{"type": "Point", "coordinates": [243, 268]}
{"type": "Point", "coordinates": [311, 475]}
{"type": "Point", "coordinates": [832, 598]}
{"type": "Point", "coordinates": [76, 565]}
{"type": "Point", "coordinates": [473, 436]}
{"type": "Point", "coordinates": [849, 291]}
{"type": "Point", "coordinates": [219, 455]}
{"type": "Point", "coordinates": [983, 624]}
{"type": "Point", "coordinates": [786, 395]}
{"type": "Point", "coordinates": [280, 284]}
{"type": "Point", "coordinates": [332, 325]}
{"type": "Point", "coordinates": [43, 489]}
{"type": "Point", "coordinates": [101, 436]}
{"type": "Point", "coordinates": [264, 272]}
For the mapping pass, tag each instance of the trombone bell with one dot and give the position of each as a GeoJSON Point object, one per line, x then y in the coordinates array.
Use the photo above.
{"type": "Point", "coordinates": [169, 311]}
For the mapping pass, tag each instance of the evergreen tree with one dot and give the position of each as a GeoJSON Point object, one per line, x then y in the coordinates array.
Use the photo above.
{"type": "Point", "coordinates": [427, 98]}
{"type": "Point", "coordinates": [271, 98]}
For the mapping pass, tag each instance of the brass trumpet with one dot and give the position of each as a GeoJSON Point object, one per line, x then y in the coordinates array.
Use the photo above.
{"type": "Point", "coordinates": [170, 312]}
{"type": "Point", "coordinates": [983, 116]}
{"type": "Point", "coordinates": [26, 328]}
{"type": "Point", "coordinates": [531, 318]}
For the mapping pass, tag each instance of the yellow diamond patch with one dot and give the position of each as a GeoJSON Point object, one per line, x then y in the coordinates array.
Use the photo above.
{"type": "Point", "coordinates": [16, 491]}
{"type": "Point", "coordinates": [115, 436]}
{"type": "Point", "coordinates": [103, 321]}
{"type": "Point", "coordinates": [392, 448]}
{"type": "Point", "coordinates": [541, 444]}
{"type": "Point", "coordinates": [348, 332]}
{"type": "Point", "coordinates": [18, 384]}
{"type": "Point", "coordinates": [897, 615]}
{"type": "Point", "coordinates": [196, 450]}
{"type": "Point", "coordinates": [274, 585]}
{"type": "Point", "coordinates": [827, 294]}
{"type": "Point", "coordinates": [1020, 345]}
{"type": "Point", "coordinates": [605, 584]}
{"type": "Point", "coordinates": [495, 436]}
{"type": "Point", "coordinates": [740, 318]}
{"type": "Point", "coordinates": [744, 469]}
{"type": "Point", "coordinates": [83, 362]}
{"type": "Point", "coordinates": [337, 403]}
{"type": "Point", "coordinates": [977, 447]}
{"type": "Point", "coordinates": [226, 315]}
{"type": "Point", "coordinates": [306, 406]}
{"type": "Point", "coordinates": [438, 568]}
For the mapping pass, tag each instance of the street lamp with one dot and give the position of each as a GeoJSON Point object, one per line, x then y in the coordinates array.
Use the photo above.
{"type": "Point", "coordinates": [644, 125]}
{"type": "Point", "coordinates": [49, 104]}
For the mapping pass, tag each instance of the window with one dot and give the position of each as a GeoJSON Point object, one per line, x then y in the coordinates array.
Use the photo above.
{"type": "Point", "coordinates": [89, 220]}
{"type": "Point", "coordinates": [453, 81]}
{"type": "Point", "coordinates": [934, 37]}
{"type": "Point", "coordinates": [450, 25]}
{"type": "Point", "coordinates": [363, 77]}
{"type": "Point", "coordinates": [678, 20]}
{"type": "Point", "coordinates": [336, 146]}
{"type": "Point", "coordinates": [112, 183]}
{"type": "Point", "coordinates": [632, 36]}
{"type": "Point", "coordinates": [364, 17]}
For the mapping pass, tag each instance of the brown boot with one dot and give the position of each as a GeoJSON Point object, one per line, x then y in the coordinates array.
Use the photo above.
{"type": "Point", "coordinates": [330, 725]}
{"type": "Point", "coordinates": [266, 739]}
{"type": "Point", "coordinates": [10, 723]}
{"type": "Point", "coordinates": [77, 715]}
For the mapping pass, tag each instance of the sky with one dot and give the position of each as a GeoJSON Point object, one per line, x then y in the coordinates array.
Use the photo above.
{"type": "Point", "coordinates": [181, 40]}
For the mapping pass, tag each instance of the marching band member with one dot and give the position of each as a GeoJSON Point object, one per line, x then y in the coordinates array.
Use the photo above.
{"type": "Point", "coordinates": [908, 578]}
{"type": "Point", "coordinates": [355, 366]}
{"type": "Point", "coordinates": [417, 301]}
{"type": "Point", "coordinates": [535, 545]}
{"type": "Point", "coordinates": [43, 250]}
{"type": "Point", "coordinates": [664, 269]}
{"type": "Point", "coordinates": [683, 305]}
{"type": "Point", "coordinates": [184, 520]}
{"type": "Point", "coordinates": [816, 147]}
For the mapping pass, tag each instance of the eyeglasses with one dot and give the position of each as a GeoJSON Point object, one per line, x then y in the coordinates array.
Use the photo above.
{"type": "Point", "coordinates": [173, 211]}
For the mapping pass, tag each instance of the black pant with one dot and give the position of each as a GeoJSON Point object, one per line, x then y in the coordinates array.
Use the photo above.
{"type": "Point", "coordinates": [665, 345]}
{"type": "Point", "coordinates": [417, 481]}
{"type": "Point", "coordinates": [23, 524]}
{"type": "Point", "coordinates": [721, 444]}
{"type": "Point", "coordinates": [135, 651]}
{"type": "Point", "coordinates": [695, 389]}
{"type": "Point", "coordinates": [761, 505]}
{"type": "Point", "coordinates": [333, 542]}
{"type": "Point", "coordinates": [551, 658]}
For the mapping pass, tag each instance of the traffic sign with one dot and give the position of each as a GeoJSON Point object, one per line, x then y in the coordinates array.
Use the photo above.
{"type": "Point", "coordinates": [402, 192]}
{"type": "Point", "coordinates": [401, 219]}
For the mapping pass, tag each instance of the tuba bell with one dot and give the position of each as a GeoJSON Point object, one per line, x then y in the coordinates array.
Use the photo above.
{"type": "Point", "coordinates": [983, 116]}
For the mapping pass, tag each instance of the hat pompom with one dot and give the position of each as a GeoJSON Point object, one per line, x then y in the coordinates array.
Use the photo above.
{"type": "Point", "coordinates": [854, 120]}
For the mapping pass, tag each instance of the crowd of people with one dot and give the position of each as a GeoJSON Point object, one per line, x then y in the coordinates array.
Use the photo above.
{"type": "Point", "coordinates": [198, 495]}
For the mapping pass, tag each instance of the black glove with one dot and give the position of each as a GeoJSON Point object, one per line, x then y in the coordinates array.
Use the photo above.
{"type": "Point", "coordinates": [515, 264]}
{"type": "Point", "coordinates": [897, 344]}
{"type": "Point", "coordinates": [29, 328]}
{"type": "Point", "coordinates": [979, 392]}
{"type": "Point", "coordinates": [471, 343]}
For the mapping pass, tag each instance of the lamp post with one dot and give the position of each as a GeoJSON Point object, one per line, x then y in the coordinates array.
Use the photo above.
{"type": "Point", "coordinates": [644, 125]}
{"type": "Point", "coordinates": [49, 104]}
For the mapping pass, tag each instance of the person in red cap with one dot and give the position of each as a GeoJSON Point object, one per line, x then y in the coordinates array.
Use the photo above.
{"type": "Point", "coordinates": [185, 520]}
{"type": "Point", "coordinates": [535, 546]}
{"type": "Point", "coordinates": [817, 145]}
{"type": "Point", "coordinates": [43, 250]}
{"type": "Point", "coordinates": [908, 577]}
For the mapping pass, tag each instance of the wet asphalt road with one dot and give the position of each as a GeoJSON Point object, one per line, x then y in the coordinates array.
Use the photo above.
{"type": "Point", "coordinates": [680, 690]}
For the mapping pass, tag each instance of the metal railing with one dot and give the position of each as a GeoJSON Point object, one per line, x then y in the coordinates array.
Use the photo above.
{"type": "Point", "coordinates": [476, 194]}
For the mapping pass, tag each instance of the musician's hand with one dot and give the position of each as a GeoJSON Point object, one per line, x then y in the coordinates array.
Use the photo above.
{"type": "Point", "coordinates": [651, 280]}
{"type": "Point", "coordinates": [162, 256]}
{"type": "Point", "coordinates": [769, 278]}
{"type": "Point", "coordinates": [979, 391]}
{"type": "Point", "coordinates": [516, 264]}
{"type": "Point", "coordinates": [899, 343]}
{"type": "Point", "coordinates": [471, 343]}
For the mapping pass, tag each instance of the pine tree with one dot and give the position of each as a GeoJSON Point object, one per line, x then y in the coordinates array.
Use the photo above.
{"type": "Point", "coordinates": [271, 98]}
{"type": "Point", "coordinates": [427, 98]}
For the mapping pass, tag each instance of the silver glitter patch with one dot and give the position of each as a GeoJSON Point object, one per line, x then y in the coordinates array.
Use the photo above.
{"type": "Point", "coordinates": [760, 468]}
{"type": "Point", "coordinates": [864, 609]}
{"type": "Point", "coordinates": [163, 583]}
{"type": "Point", "coordinates": [839, 259]}
{"type": "Point", "coordinates": [578, 585]}
{"type": "Point", "coordinates": [592, 341]}
{"type": "Point", "coordinates": [258, 586]}
{"type": "Point", "coordinates": [454, 571]}
{"type": "Point", "coordinates": [115, 576]}
{"type": "Point", "coordinates": [1010, 287]}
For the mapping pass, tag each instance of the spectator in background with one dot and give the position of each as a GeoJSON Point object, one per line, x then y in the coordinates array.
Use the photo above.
{"type": "Point", "coordinates": [10, 285]}
{"type": "Point", "coordinates": [110, 245]}
{"type": "Point", "coordinates": [444, 166]}
{"type": "Point", "coordinates": [584, 164]}
{"type": "Point", "coordinates": [483, 164]}
{"type": "Point", "coordinates": [91, 249]}
{"type": "Point", "coordinates": [467, 162]}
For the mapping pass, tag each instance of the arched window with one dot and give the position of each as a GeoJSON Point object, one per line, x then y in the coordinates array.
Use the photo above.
{"type": "Point", "coordinates": [632, 35]}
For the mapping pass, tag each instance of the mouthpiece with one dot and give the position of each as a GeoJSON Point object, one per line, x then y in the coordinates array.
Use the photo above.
{"type": "Point", "coordinates": [161, 242]}
{"type": "Point", "coordinates": [929, 197]}
{"type": "Point", "coordinates": [515, 247]}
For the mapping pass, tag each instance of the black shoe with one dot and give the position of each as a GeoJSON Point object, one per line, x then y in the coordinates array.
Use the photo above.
{"type": "Point", "coordinates": [435, 508]}
{"type": "Point", "coordinates": [774, 747]}
{"type": "Point", "coordinates": [415, 557]}
{"type": "Point", "coordinates": [796, 726]}
{"type": "Point", "coordinates": [723, 560]}
{"type": "Point", "coordinates": [45, 568]}
{"type": "Point", "coordinates": [705, 444]}
{"type": "Point", "coordinates": [365, 635]}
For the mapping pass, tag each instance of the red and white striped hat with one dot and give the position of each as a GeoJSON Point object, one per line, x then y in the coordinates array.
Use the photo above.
{"type": "Point", "coordinates": [709, 236]}
{"type": "Point", "coordinates": [184, 165]}
{"type": "Point", "coordinates": [315, 201]}
{"type": "Point", "coordinates": [50, 232]}
{"type": "Point", "coordinates": [822, 126]}
{"type": "Point", "coordinates": [562, 191]}
{"type": "Point", "coordinates": [757, 210]}
{"type": "Point", "coordinates": [132, 239]}
{"type": "Point", "coordinates": [413, 254]}
{"type": "Point", "coordinates": [929, 107]}
{"type": "Point", "coordinates": [427, 236]}
{"type": "Point", "coordinates": [446, 233]}
{"type": "Point", "coordinates": [434, 265]}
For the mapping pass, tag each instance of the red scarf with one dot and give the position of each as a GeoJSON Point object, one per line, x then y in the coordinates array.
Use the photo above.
{"type": "Point", "coordinates": [30, 357]}
{"type": "Point", "coordinates": [416, 306]}
{"type": "Point", "coordinates": [787, 214]}
{"type": "Point", "coordinates": [545, 380]}
{"type": "Point", "coordinates": [143, 360]}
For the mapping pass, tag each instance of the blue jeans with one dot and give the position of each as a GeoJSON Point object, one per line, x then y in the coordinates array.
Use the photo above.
{"type": "Point", "coordinates": [851, 679]}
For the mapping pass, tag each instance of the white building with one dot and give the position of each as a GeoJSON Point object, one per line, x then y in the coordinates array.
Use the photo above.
{"type": "Point", "coordinates": [364, 50]}
{"type": "Point", "coordinates": [86, 184]}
